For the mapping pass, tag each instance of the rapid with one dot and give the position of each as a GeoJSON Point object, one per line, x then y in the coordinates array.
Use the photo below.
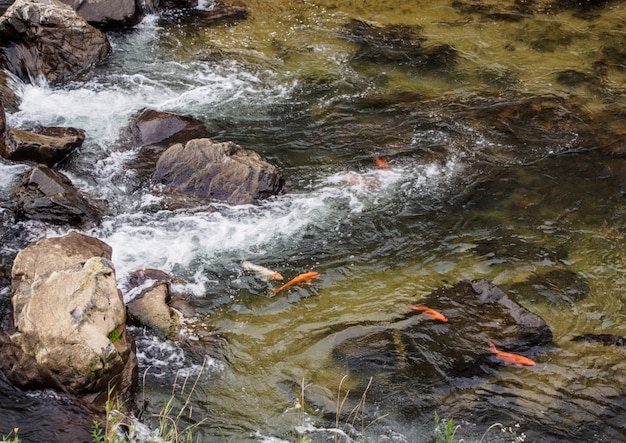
{"type": "Point", "coordinates": [460, 201]}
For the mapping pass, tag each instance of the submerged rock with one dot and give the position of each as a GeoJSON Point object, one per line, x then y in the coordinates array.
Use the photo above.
{"type": "Point", "coordinates": [605, 339]}
{"type": "Point", "coordinates": [223, 172]}
{"type": "Point", "coordinates": [47, 145]}
{"type": "Point", "coordinates": [47, 38]}
{"type": "Point", "coordinates": [559, 287]}
{"type": "Point", "coordinates": [69, 321]}
{"type": "Point", "coordinates": [427, 357]}
{"type": "Point", "coordinates": [400, 45]}
{"type": "Point", "coordinates": [47, 195]}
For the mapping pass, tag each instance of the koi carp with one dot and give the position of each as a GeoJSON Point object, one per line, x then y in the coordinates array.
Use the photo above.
{"type": "Point", "coordinates": [300, 279]}
{"type": "Point", "coordinates": [260, 271]}
{"type": "Point", "coordinates": [511, 359]}
{"type": "Point", "coordinates": [382, 164]}
{"type": "Point", "coordinates": [428, 313]}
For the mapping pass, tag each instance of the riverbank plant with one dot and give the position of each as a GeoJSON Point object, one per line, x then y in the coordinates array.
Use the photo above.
{"type": "Point", "coordinates": [12, 437]}
{"type": "Point", "coordinates": [445, 429]}
{"type": "Point", "coordinates": [170, 419]}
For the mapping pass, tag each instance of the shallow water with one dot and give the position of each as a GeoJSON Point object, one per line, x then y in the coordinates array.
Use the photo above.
{"type": "Point", "coordinates": [464, 199]}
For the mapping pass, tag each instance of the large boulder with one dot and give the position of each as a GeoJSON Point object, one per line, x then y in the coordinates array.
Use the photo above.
{"type": "Point", "coordinates": [46, 38]}
{"type": "Point", "coordinates": [48, 195]}
{"type": "Point", "coordinates": [224, 172]}
{"type": "Point", "coordinates": [69, 320]}
{"type": "Point", "coordinates": [109, 14]}
{"type": "Point", "coordinates": [47, 145]}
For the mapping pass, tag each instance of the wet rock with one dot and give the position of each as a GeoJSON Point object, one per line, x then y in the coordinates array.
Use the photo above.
{"type": "Point", "coordinates": [150, 127]}
{"type": "Point", "coordinates": [69, 321]}
{"type": "Point", "coordinates": [212, 171]}
{"type": "Point", "coordinates": [110, 14]}
{"type": "Point", "coordinates": [433, 355]}
{"type": "Point", "coordinates": [47, 145]}
{"type": "Point", "coordinates": [47, 38]}
{"type": "Point", "coordinates": [605, 339]}
{"type": "Point", "coordinates": [151, 306]}
{"type": "Point", "coordinates": [398, 44]}
{"type": "Point", "coordinates": [47, 195]}
{"type": "Point", "coordinates": [559, 287]}
{"type": "Point", "coordinates": [154, 131]}
{"type": "Point", "coordinates": [3, 118]}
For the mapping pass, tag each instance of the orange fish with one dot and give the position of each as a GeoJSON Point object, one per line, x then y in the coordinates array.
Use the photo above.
{"type": "Point", "coordinates": [382, 164]}
{"type": "Point", "coordinates": [302, 278]}
{"type": "Point", "coordinates": [428, 313]}
{"type": "Point", "coordinates": [511, 359]}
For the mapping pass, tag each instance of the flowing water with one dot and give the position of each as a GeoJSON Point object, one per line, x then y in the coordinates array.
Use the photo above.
{"type": "Point", "coordinates": [462, 200]}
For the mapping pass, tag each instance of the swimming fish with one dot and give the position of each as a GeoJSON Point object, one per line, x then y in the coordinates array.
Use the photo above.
{"type": "Point", "coordinates": [382, 164]}
{"type": "Point", "coordinates": [260, 271]}
{"type": "Point", "coordinates": [511, 359]}
{"type": "Point", "coordinates": [428, 313]}
{"type": "Point", "coordinates": [302, 278]}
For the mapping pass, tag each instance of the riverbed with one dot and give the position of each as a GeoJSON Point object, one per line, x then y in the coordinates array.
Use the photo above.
{"type": "Point", "coordinates": [506, 162]}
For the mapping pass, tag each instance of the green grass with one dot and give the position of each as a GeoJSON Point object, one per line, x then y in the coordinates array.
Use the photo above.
{"type": "Point", "coordinates": [12, 437]}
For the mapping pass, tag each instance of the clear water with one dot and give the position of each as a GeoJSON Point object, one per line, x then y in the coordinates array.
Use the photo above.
{"type": "Point", "coordinates": [284, 83]}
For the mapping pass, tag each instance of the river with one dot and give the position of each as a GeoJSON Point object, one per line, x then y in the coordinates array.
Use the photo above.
{"type": "Point", "coordinates": [495, 172]}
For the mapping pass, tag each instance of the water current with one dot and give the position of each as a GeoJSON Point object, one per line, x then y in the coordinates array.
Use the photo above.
{"type": "Point", "coordinates": [482, 184]}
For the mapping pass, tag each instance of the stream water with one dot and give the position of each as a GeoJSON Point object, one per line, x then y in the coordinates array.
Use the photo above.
{"type": "Point", "coordinates": [463, 199]}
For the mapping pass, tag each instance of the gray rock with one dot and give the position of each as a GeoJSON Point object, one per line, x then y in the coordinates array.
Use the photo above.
{"type": "Point", "coordinates": [213, 171]}
{"type": "Point", "coordinates": [47, 195]}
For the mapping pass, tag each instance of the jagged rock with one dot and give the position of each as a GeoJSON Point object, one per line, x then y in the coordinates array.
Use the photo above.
{"type": "Point", "coordinates": [109, 14]}
{"type": "Point", "coordinates": [47, 145]}
{"type": "Point", "coordinates": [69, 320]}
{"type": "Point", "coordinates": [47, 38]}
{"type": "Point", "coordinates": [48, 195]}
{"type": "Point", "coordinates": [213, 171]}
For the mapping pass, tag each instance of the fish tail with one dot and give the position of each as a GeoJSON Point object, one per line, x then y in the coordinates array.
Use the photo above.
{"type": "Point", "coordinates": [492, 347]}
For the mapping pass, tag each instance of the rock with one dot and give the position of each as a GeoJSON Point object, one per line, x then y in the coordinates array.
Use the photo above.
{"type": "Point", "coordinates": [47, 38]}
{"type": "Point", "coordinates": [69, 320]}
{"type": "Point", "coordinates": [47, 195]}
{"type": "Point", "coordinates": [223, 172]}
{"type": "Point", "coordinates": [151, 307]}
{"type": "Point", "coordinates": [605, 339]}
{"type": "Point", "coordinates": [559, 287]}
{"type": "Point", "coordinates": [150, 127]}
{"type": "Point", "coordinates": [109, 14]}
{"type": "Point", "coordinates": [3, 118]}
{"type": "Point", "coordinates": [400, 45]}
{"type": "Point", "coordinates": [434, 356]}
{"type": "Point", "coordinates": [48, 145]}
